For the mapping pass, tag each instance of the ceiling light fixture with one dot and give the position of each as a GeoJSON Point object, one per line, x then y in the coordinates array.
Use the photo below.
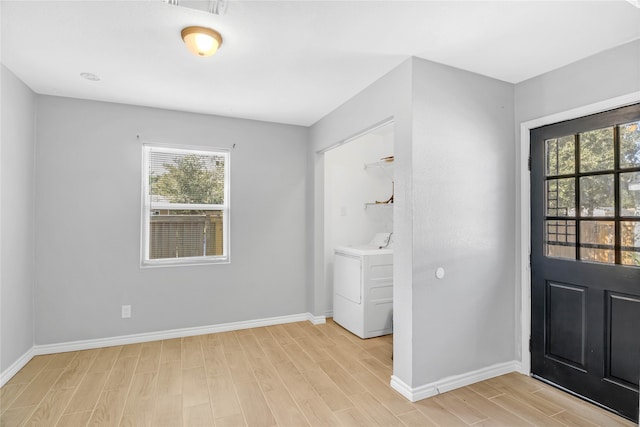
{"type": "Point", "coordinates": [201, 41]}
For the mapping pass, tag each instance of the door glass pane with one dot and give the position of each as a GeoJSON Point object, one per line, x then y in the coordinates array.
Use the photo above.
{"type": "Point", "coordinates": [630, 145]}
{"type": "Point", "coordinates": [560, 239]}
{"type": "Point", "coordinates": [596, 150]}
{"type": "Point", "coordinates": [560, 155]}
{"type": "Point", "coordinates": [597, 241]}
{"type": "Point", "coordinates": [630, 239]}
{"type": "Point", "coordinates": [561, 197]}
{"type": "Point", "coordinates": [597, 196]}
{"type": "Point", "coordinates": [630, 194]}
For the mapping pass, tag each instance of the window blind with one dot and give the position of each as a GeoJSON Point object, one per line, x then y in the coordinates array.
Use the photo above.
{"type": "Point", "coordinates": [185, 204]}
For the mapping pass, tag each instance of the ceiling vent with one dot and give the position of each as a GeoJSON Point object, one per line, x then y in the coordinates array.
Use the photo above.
{"type": "Point", "coordinates": [214, 7]}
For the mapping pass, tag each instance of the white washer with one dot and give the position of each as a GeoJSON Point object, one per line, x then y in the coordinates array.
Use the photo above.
{"type": "Point", "coordinates": [363, 289]}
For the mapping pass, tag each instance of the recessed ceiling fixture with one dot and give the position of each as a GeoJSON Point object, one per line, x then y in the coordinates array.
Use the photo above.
{"type": "Point", "coordinates": [201, 41]}
{"type": "Point", "coordinates": [90, 76]}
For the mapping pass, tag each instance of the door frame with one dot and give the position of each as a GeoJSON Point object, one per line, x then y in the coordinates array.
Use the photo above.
{"type": "Point", "coordinates": [525, 207]}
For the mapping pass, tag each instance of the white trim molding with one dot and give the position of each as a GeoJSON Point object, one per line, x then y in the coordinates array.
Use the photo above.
{"type": "Point", "coordinates": [316, 320]}
{"type": "Point", "coordinates": [412, 394]}
{"type": "Point", "coordinates": [525, 206]}
{"type": "Point", "coordinates": [16, 366]}
{"type": "Point", "coordinates": [37, 350]}
{"type": "Point", "coordinates": [453, 382]}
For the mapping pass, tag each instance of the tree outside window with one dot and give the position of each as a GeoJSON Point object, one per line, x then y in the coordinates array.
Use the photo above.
{"type": "Point", "coordinates": [186, 206]}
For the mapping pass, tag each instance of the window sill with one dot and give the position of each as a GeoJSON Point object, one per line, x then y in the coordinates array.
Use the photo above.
{"type": "Point", "coordinates": [184, 262]}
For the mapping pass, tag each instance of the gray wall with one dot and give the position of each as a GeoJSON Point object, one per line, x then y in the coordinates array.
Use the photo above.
{"type": "Point", "coordinates": [388, 97]}
{"type": "Point", "coordinates": [17, 219]}
{"type": "Point", "coordinates": [609, 74]}
{"type": "Point", "coordinates": [454, 181]}
{"type": "Point", "coordinates": [604, 76]}
{"type": "Point", "coordinates": [463, 221]}
{"type": "Point", "coordinates": [88, 223]}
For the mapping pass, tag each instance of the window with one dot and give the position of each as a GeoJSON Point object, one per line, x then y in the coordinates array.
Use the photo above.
{"type": "Point", "coordinates": [593, 195]}
{"type": "Point", "coordinates": [185, 212]}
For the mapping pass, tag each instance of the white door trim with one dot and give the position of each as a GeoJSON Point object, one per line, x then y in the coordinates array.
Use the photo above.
{"type": "Point", "coordinates": [525, 206]}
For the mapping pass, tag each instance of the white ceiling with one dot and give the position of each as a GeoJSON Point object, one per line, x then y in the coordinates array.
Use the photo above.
{"type": "Point", "coordinates": [291, 61]}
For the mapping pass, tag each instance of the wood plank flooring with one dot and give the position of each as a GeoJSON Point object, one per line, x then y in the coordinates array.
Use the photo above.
{"type": "Point", "coordinates": [294, 375]}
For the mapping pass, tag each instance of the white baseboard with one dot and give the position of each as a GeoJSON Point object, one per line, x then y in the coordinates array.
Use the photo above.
{"type": "Point", "coordinates": [16, 366]}
{"type": "Point", "coordinates": [152, 336]}
{"type": "Point", "coordinates": [456, 381]}
{"type": "Point", "coordinates": [410, 393]}
{"type": "Point", "coordinates": [316, 320]}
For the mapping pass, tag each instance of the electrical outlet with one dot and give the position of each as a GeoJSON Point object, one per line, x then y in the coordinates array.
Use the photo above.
{"type": "Point", "coordinates": [126, 311]}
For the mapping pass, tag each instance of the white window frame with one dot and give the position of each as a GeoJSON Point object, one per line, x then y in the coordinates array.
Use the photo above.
{"type": "Point", "coordinates": [146, 208]}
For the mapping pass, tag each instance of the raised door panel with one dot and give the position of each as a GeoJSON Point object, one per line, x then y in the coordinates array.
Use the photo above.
{"type": "Point", "coordinates": [624, 344]}
{"type": "Point", "coordinates": [566, 324]}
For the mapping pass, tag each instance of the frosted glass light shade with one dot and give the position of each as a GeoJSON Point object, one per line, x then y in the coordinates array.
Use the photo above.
{"type": "Point", "coordinates": [201, 41]}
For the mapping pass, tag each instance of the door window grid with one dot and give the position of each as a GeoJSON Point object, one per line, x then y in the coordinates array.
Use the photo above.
{"type": "Point", "coordinates": [594, 185]}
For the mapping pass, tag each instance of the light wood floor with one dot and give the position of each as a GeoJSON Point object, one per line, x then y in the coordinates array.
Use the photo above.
{"type": "Point", "coordinates": [288, 375]}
